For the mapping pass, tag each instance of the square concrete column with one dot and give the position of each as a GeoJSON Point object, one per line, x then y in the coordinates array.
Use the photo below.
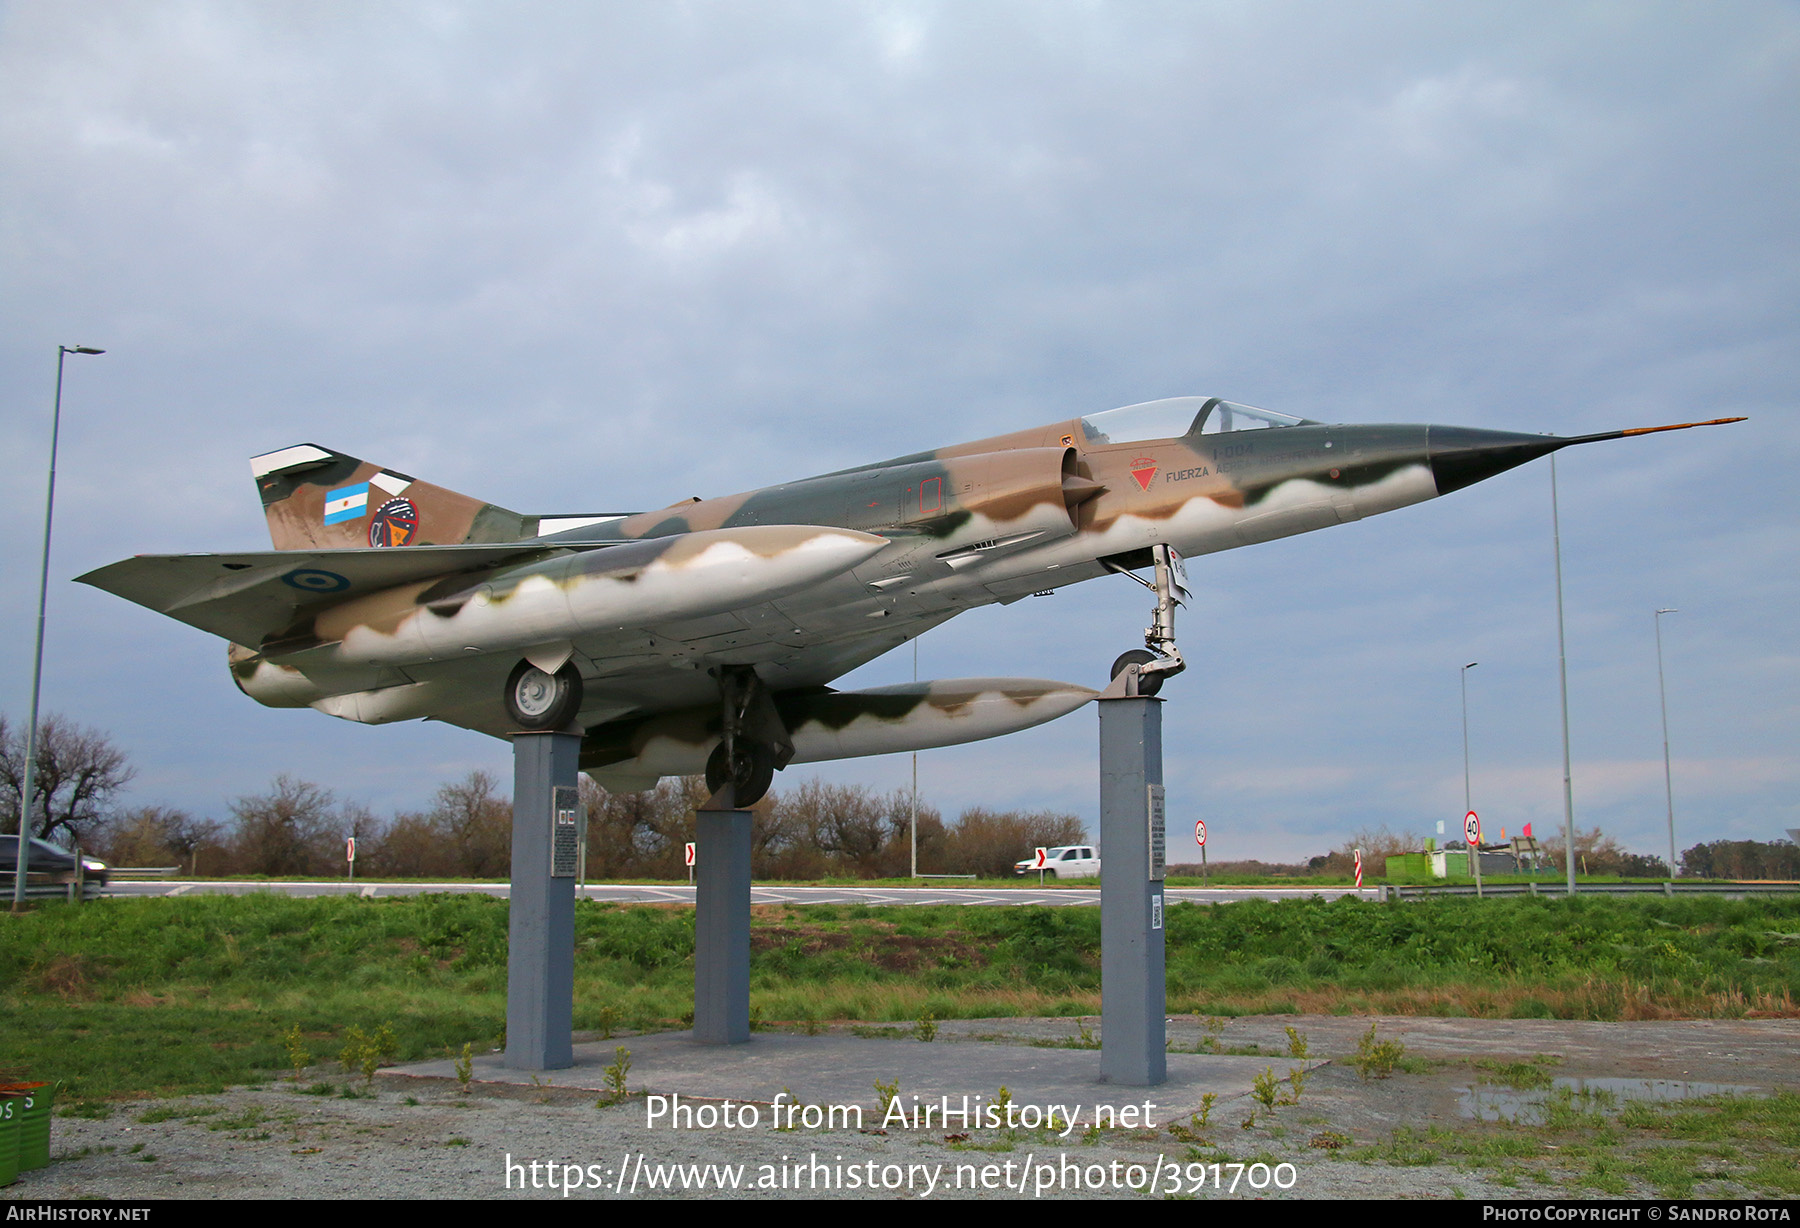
{"type": "Point", "coordinates": [1133, 992]}
{"type": "Point", "coordinates": [722, 927]}
{"type": "Point", "coordinates": [540, 953]}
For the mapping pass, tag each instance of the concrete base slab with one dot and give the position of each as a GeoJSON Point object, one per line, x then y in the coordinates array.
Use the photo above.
{"type": "Point", "coordinates": [842, 1069]}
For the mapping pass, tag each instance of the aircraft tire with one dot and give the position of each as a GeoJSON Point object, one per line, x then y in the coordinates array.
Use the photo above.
{"type": "Point", "coordinates": [537, 701]}
{"type": "Point", "coordinates": [754, 772]}
{"type": "Point", "coordinates": [1148, 684]}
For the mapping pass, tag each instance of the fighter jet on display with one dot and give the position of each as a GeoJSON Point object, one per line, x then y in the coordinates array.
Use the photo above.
{"type": "Point", "coordinates": [704, 636]}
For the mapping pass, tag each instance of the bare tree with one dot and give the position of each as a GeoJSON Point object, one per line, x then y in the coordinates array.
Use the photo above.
{"type": "Point", "coordinates": [411, 847]}
{"type": "Point", "coordinates": [641, 833]}
{"type": "Point", "coordinates": [848, 823]}
{"type": "Point", "coordinates": [476, 826]}
{"type": "Point", "coordinates": [157, 836]}
{"type": "Point", "coordinates": [1601, 854]}
{"type": "Point", "coordinates": [1377, 846]}
{"type": "Point", "coordinates": [988, 842]}
{"type": "Point", "coordinates": [78, 772]}
{"type": "Point", "coordinates": [291, 830]}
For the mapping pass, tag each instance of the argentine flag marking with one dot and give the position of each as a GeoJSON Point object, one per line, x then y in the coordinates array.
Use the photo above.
{"type": "Point", "coordinates": [350, 503]}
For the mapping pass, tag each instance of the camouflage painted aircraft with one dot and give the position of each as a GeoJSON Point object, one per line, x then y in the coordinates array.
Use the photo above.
{"type": "Point", "coordinates": [704, 636]}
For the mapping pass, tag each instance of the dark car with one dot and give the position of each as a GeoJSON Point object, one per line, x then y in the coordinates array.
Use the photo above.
{"type": "Point", "coordinates": [48, 859]}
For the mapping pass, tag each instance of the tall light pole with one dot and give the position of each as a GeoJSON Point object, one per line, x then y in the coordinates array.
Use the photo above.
{"type": "Point", "coordinates": [914, 825]}
{"type": "Point", "coordinates": [1663, 693]}
{"type": "Point", "coordinates": [1468, 808]}
{"type": "Point", "coordinates": [37, 664]}
{"type": "Point", "coordinates": [1465, 706]}
{"type": "Point", "coordinates": [1562, 673]}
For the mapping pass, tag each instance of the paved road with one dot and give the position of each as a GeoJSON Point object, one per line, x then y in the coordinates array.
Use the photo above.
{"type": "Point", "coordinates": [1059, 897]}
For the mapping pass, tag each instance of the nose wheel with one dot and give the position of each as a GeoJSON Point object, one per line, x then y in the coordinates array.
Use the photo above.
{"type": "Point", "coordinates": [1159, 658]}
{"type": "Point", "coordinates": [1148, 684]}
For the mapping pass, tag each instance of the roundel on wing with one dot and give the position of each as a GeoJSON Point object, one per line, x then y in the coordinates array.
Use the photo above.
{"type": "Point", "coordinates": [313, 580]}
{"type": "Point", "coordinates": [394, 523]}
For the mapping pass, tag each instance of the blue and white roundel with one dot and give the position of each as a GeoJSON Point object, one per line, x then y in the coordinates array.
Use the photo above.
{"type": "Point", "coordinates": [315, 580]}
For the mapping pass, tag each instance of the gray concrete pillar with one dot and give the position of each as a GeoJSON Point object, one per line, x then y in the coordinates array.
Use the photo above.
{"type": "Point", "coordinates": [722, 927]}
{"type": "Point", "coordinates": [1133, 992]}
{"type": "Point", "coordinates": [540, 955]}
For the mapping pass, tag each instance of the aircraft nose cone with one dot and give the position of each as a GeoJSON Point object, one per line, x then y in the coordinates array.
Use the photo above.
{"type": "Point", "coordinates": [1462, 455]}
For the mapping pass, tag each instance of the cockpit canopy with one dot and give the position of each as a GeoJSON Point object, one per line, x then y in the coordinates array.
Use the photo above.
{"type": "Point", "coordinates": [1177, 416]}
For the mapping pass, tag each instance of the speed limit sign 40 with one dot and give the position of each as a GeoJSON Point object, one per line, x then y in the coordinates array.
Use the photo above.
{"type": "Point", "coordinates": [1200, 832]}
{"type": "Point", "coordinates": [1472, 829]}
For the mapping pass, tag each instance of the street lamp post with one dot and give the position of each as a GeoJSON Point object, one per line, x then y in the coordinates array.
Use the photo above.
{"type": "Point", "coordinates": [1465, 713]}
{"type": "Point", "coordinates": [1562, 673]}
{"type": "Point", "coordinates": [1663, 694]}
{"type": "Point", "coordinates": [37, 664]}
{"type": "Point", "coordinates": [913, 826]}
{"type": "Point", "coordinates": [1468, 807]}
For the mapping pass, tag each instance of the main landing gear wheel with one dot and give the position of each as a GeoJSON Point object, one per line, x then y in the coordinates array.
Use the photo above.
{"type": "Point", "coordinates": [1148, 684]}
{"type": "Point", "coordinates": [537, 701]}
{"type": "Point", "coordinates": [752, 772]}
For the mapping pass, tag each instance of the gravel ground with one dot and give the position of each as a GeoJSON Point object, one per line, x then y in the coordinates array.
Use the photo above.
{"type": "Point", "coordinates": [413, 1137]}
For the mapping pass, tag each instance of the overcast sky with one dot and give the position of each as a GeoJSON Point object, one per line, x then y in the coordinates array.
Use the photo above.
{"type": "Point", "coordinates": [583, 257]}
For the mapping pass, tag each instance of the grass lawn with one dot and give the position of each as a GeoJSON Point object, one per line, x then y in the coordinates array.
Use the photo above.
{"type": "Point", "coordinates": [126, 997]}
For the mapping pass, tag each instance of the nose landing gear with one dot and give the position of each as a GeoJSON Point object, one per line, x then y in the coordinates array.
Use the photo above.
{"type": "Point", "coordinates": [1159, 658]}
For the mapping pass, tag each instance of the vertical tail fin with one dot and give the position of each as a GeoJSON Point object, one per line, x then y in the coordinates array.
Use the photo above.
{"type": "Point", "coordinates": [317, 499]}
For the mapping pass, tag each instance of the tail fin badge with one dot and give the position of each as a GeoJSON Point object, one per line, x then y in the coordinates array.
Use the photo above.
{"type": "Point", "coordinates": [394, 523]}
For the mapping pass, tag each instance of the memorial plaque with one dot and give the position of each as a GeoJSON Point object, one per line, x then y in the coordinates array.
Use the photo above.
{"type": "Point", "coordinates": [1158, 854]}
{"type": "Point", "coordinates": [565, 831]}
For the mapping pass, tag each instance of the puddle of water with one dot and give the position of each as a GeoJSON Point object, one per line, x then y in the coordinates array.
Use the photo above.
{"type": "Point", "coordinates": [1585, 1095]}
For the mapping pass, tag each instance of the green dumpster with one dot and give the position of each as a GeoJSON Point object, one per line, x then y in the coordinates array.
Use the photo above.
{"type": "Point", "coordinates": [9, 1137]}
{"type": "Point", "coordinates": [33, 1116]}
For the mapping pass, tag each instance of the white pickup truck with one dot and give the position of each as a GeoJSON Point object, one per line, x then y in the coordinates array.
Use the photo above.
{"type": "Point", "coordinates": [1063, 861]}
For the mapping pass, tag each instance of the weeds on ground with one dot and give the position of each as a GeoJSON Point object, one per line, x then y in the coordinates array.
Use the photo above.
{"type": "Point", "coordinates": [298, 1058]}
{"type": "Point", "coordinates": [465, 1068]}
{"type": "Point", "coordinates": [1375, 1058]}
{"type": "Point", "coordinates": [176, 1112]}
{"type": "Point", "coordinates": [1296, 1043]}
{"type": "Point", "coordinates": [926, 1029]}
{"type": "Point", "coordinates": [93, 1110]}
{"type": "Point", "coordinates": [365, 1053]}
{"type": "Point", "coordinates": [1193, 1131]}
{"type": "Point", "coordinates": [1296, 1084]}
{"type": "Point", "coordinates": [1529, 1075]}
{"type": "Point", "coordinates": [889, 1092]}
{"type": "Point", "coordinates": [1263, 1088]}
{"type": "Point", "coordinates": [1720, 1146]}
{"type": "Point", "coordinates": [615, 1077]}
